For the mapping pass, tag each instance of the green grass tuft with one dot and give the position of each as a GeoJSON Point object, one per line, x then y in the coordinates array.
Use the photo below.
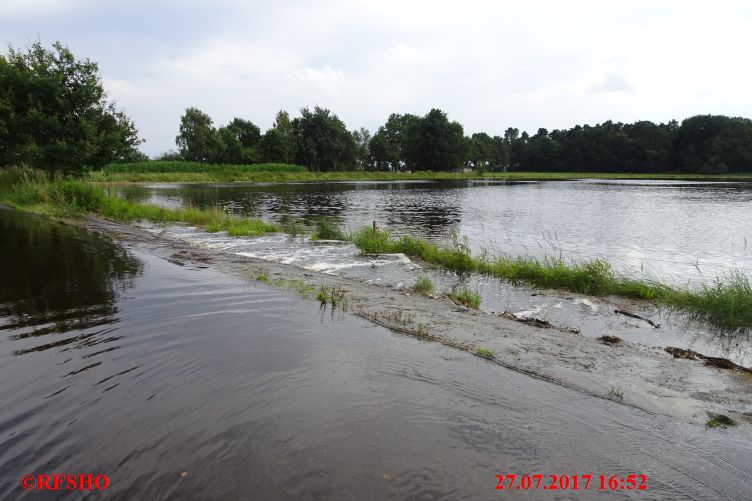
{"type": "Point", "coordinates": [423, 285]}
{"type": "Point", "coordinates": [719, 421]}
{"type": "Point", "coordinates": [326, 229]}
{"type": "Point", "coordinates": [485, 352]}
{"type": "Point", "coordinates": [467, 297]}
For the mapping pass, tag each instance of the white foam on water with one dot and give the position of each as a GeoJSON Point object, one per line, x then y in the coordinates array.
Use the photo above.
{"type": "Point", "coordinates": [588, 303]}
{"type": "Point", "coordinates": [322, 256]}
{"type": "Point", "coordinates": [534, 311]}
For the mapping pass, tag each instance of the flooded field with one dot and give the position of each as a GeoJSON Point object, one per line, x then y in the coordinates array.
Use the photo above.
{"type": "Point", "coordinates": [677, 232]}
{"type": "Point", "coordinates": [671, 230]}
{"type": "Point", "coordinates": [183, 382]}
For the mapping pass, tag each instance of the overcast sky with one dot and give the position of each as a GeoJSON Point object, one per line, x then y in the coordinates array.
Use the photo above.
{"type": "Point", "coordinates": [489, 64]}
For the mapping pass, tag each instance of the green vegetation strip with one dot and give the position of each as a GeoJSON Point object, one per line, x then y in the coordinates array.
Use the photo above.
{"type": "Point", "coordinates": [194, 172]}
{"type": "Point", "coordinates": [725, 304]}
{"type": "Point", "coordinates": [183, 166]}
{"type": "Point", "coordinates": [34, 191]}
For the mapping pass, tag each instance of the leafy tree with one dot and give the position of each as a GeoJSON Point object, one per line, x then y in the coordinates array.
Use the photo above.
{"type": "Point", "coordinates": [499, 154]}
{"type": "Point", "coordinates": [362, 140]}
{"type": "Point", "coordinates": [481, 150]}
{"type": "Point", "coordinates": [198, 140]}
{"type": "Point", "coordinates": [245, 131]}
{"type": "Point", "coordinates": [239, 139]}
{"type": "Point", "coordinates": [322, 141]}
{"type": "Point", "coordinates": [514, 147]}
{"type": "Point", "coordinates": [284, 127]}
{"type": "Point", "coordinates": [434, 143]}
{"type": "Point", "coordinates": [54, 113]}
{"type": "Point", "coordinates": [273, 147]}
{"type": "Point", "coordinates": [394, 132]}
{"type": "Point", "coordinates": [714, 144]}
{"type": "Point", "coordinates": [380, 155]}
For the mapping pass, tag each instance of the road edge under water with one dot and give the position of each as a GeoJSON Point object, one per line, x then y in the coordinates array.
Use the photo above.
{"type": "Point", "coordinates": [629, 373]}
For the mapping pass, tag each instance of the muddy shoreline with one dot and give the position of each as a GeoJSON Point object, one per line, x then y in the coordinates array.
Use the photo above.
{"type": "Point", "coordinates": [632, 374]}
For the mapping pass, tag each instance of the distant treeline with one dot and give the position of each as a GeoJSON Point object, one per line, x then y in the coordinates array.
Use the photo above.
{"type": "Point", "coordinates": [319, 140]}
{"type": "Point", "coordinates": [55, 115]}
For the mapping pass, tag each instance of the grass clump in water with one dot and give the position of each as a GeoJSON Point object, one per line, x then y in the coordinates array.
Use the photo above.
{"type": "Point", "coordinates": [371, 241]}
{"type": "Point", "coordinates": [727, 302]}
{"type": "Point", "coordinates": [299, 286]}
{"type": "Point", "coordinates": [466, 296]}
{"type": "Point", "coordinates": [332, 295]}
{"type": "Point", "coordinates": [616, 393]}
{"type": "Point", "coordinates": [237, 227]}
{"type": "Point", "coordinates": [719, 421]}
{"type": "Point", "coordinates": [485, 352]}
{"type": "Point", "coordinates": [326, 229]}
{"type": "Point", "coordinates": [423, 285]}
{"type": "Point", "coordinates": [725, 305]}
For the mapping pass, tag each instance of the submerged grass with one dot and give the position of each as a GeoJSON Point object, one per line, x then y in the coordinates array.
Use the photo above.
{"type": "Point", "coordinates": [719, 421]}
{"type": "Point", "coordinates": [467, 297]}
{"type": "Point", "coordinates": [726, 304]}
{"type": "Point", "coordinates": [326, 229]}
{"type": "Point", "coordinates": [423, 285]}
{"type": "Point", "coordinates": [332, 295]}
{"type": "Point", "coordinates": [616, 393]}
{"type": "Point", "coordinates": [485, 352]}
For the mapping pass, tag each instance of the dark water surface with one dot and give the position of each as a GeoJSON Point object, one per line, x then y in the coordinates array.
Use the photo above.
{"type": "Point", "coordinates": [672, 230]}
{"type": "Point", "coordinates": [115, 361]}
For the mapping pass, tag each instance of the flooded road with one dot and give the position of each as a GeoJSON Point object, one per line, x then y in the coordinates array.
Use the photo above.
{"type": "Point", "coordinates": [680, 233]}
{"type": "Point", "coordinates": [182, 382]}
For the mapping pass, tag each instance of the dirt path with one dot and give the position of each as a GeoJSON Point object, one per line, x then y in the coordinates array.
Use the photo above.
{"type": "Point", "coordinates": [647, 378]}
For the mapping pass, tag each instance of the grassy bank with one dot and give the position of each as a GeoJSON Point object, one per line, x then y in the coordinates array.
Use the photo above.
{"type": "Point", "coordinates": [180, 166]}
{"type": "Point", "coordinates": [223, 176]}
{"type": "Point", "coordinates": [34, 191]}
{"type": "Point", "coordinates": [726, 304]}
{"type": "Point", "coordinates": [194, 172]}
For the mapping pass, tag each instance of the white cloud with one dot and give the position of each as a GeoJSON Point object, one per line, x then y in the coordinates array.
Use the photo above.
{"type": "Point", "coordinates": [489, 64]}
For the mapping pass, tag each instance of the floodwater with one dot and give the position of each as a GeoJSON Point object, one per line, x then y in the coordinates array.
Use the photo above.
{"type": "Point", "coordinates": [672, 230]}
{"type": "Point", "coordinates": [682, 233]}
{"type": "Point", "coordinates": [180, 382]}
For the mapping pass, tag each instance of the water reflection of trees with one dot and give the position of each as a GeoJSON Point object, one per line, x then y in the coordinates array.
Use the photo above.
{"type": "Point", "coordinates": [57, 280]}
{"type": "Point", "coordinates": [423, 208]}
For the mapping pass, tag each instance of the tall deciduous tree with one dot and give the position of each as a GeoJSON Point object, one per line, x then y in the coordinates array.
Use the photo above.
{"type": "Point", "coordinates": [362, 140]}
{"type": "Point", "coordinates": [283, 126]}
{"type": "Point", "coordinates": [55, 115]}
{"type": "Point", "coordinates": [198, 140]}
{"type": "Point", "coordinates": [714, 144]}
{"type": "Point", "coordinates": [240, 139]}
{"type": "Point", "coordinates": [434, 143]}
{"type": "Point", "coordinates": [323, 142]}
